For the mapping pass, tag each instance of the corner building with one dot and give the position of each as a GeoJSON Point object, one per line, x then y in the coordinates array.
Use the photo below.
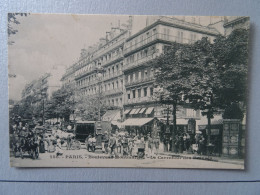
{"type": "Point", "coordinates": [127, 81]}
{"type": "Point", "coordinates": [140, 49]}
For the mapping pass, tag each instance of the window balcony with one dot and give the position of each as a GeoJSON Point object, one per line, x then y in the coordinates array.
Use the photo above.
{"type": "Point", "coordinates": [137, 81]}
{"type": "Point", "coordinates": [112, 75]}
{"type": "Point", "coordinates": [130, 65]}
{"type": "Point", "coordinates": [101, 51]}
{"type": "Point", "coordinates": [113, 91]}
{"type": "Point", "coordinates": [114, 58]}
{"type": "Point", "coordinates": [154, 37]}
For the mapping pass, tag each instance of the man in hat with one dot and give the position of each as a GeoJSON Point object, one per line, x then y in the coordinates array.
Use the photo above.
{"type": "Point", "coordinates": [106, 141]}
{"type": "Point", "coordinates": [68, 142]}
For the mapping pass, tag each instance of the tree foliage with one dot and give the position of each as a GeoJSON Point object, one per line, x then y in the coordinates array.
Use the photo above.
{"type": "Point", "coordinates": [13, 21]}
{"type": "Point", "coordinates": [205, 75]}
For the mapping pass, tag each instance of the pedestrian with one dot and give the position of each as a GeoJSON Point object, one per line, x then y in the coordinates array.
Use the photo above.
{"type": "Point", "coordinates": [166, 142]}
{"type": "Point", "coordinates": [106, 142]}
{"type": "Point", "coordinates": [150, 146]}
{"type": "Point", "coordinates": [93, 144]}
{"type": "Point", "coordinates": [88, 143]}
{"type": "Point", "coordinates": [156, 145]}
{"type": "Point", "coordinates": [202, 145]}
{"type": "Point", "coordinates": [41, 145]}
{"type": "Point", "coordinates": [181, 144]}
{"type": "Point", "coordinates": [125, 145]}
{"type": "Point", "coordinates": [112, 145]}
{"type": "Point", "coordinates": [119, 144]}
{"type": "Point", "coordinates": [58, 147]}
{"type": "Point", "coordinates": [69, 142]}
{"type": "Point", "coordinates": [130, 145]}
{"type": "Point", "coordinates": [176, 144]}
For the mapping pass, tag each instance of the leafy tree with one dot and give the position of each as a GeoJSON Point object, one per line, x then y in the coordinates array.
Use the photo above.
{"type": "Point", "coordinates": [12, 20]}
{"type": "Point", "coordinates": [203, 75]}
{"type": "Point", "coordinates": [233, 112]}
{"type": "Point", "coordinates": [62, 102]}
{"type": "Point", "coordinates": [188, 75]}
{"type": "Point", "coordinates": [231, 55]}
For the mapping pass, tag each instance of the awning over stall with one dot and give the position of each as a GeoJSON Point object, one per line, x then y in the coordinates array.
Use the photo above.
{"type": "Point", "coordinates": [149, 110]}
{"type": "Point", "coordinates": [111, 115]}
{"type": "Point", "coordinates": [142, 111]}
{"type": "Point", "coordinates": [137, 110]}
{"type": "Point", "coordinates": [127, 111]}
{"type": "Point", "coordinates": [133, 111]}
{"type": "Point", "coordinates": [116, 123]}
{"type": "Point", "coordinates": [137, 121]}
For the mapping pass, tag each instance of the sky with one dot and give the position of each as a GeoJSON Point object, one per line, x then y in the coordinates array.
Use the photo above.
{"type": "Point", "coordinates": [48, 42]}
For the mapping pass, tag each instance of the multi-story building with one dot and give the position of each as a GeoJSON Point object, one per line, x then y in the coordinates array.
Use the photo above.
{"type": "Point", "coordinates": [140, 49]}
{"type": "Point", "coordinates": [99, 71]}
{"type": "Point", "coordinates": [69, 77]}
{"type": "Point", "coordinates": [43, 87]}
{"type": "Point", "coordinates": [127, 78]}
{"type": "Point", "coordinates": [37, 89]}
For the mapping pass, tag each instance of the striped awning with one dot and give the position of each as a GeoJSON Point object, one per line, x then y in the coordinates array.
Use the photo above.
{"type": "Point", "coordinates": [142, 111]}
{"type": "Point", "coordinates": [133, 111]}
{"type": "Point", "coordinates": [137, 121]}
{"type": "Point", "coordinates": [127, 111]}
{"type": "Point", "coordinates": [149, 110]}
{"type": "Point", "coordinates": [137, 110]}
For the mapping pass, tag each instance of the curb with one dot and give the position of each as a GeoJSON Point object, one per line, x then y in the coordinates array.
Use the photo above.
{"type": "Point", "coordinates": [208, 158]}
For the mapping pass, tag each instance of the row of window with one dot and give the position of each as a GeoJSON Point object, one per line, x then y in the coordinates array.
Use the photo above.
{"type": "Point", "coordinates": [141, 54]}
{"type": "Point", "coordinates": [114, 102]}
{"type": "Point", "coordinates": [167, 33]}
{"type": "Point", "coordinates": [101, 60]}
{"type": "Point", "coordinates": [138, 93]}
{"type": "Point", "coordinates": [103, 88]}
{"type": "Point", "coordinates": [141, 75]}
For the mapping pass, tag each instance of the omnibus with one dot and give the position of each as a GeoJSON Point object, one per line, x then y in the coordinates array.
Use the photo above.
{"type": "Point", "coordinates": [85, 128]}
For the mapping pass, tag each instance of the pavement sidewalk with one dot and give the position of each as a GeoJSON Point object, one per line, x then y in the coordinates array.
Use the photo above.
{"type": "Point", "coordinates": [205, 157]}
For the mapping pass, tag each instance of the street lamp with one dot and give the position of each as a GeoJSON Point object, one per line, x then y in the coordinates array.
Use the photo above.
{"type": "Point", "coordinates": [43, 94]}
{"type": "Point", "coordinates": [99, 71]}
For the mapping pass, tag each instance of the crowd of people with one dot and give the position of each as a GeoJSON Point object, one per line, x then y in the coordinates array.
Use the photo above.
{"type": "Point", "coordinates": [24, 139]}
{"type": "Point", "coordinates": [124, 144]}
{"type": "Point", "coordinates": [185, 143]}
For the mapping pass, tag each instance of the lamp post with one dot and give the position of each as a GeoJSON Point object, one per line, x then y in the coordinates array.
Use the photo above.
{"type": "Point", "coordinates": [99, 71]}
{"type": "Point", "coordinates": [43, 108]}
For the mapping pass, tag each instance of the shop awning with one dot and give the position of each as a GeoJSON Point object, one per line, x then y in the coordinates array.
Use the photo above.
{"type": "Point", "coordinates": [149, 110]}
{"type": "Point", "coordinates": [116, 123]}
{"type": "Point", "coordinates": [133, 111]}
{"type": "Point", "coordinates": [142, 111]}
{"type": "Point", "coordinates": [180, 121]}
{"type": "Point", "coordinates": [137, 121]}
{"type": "Point", "coordinates": [127, 111]}
{"type": "Point", "coordinates": [137, 110]}
{"type": "Point", "coordinates": [111, 115]}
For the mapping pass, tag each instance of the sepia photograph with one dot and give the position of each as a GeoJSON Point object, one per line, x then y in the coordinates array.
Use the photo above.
{"type": "Point", "coordinates": [140, 91]}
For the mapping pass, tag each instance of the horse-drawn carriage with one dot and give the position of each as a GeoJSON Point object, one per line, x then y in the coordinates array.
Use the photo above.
{"type": "Point", "coordinates": [27, 145]}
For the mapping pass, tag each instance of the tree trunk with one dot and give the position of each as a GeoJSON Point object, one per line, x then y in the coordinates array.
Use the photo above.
{"type": "Point", "coordinates": [209, 127]}
{"type": "Point", "coordinates": [174, 126]}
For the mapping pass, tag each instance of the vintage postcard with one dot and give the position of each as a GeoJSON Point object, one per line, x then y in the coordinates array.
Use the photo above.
{"type": "Point", "coordinates": [127, 91]}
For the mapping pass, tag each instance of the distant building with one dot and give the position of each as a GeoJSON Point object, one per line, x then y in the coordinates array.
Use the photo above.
{"type": "Point", "coordinates": [41, 88]}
